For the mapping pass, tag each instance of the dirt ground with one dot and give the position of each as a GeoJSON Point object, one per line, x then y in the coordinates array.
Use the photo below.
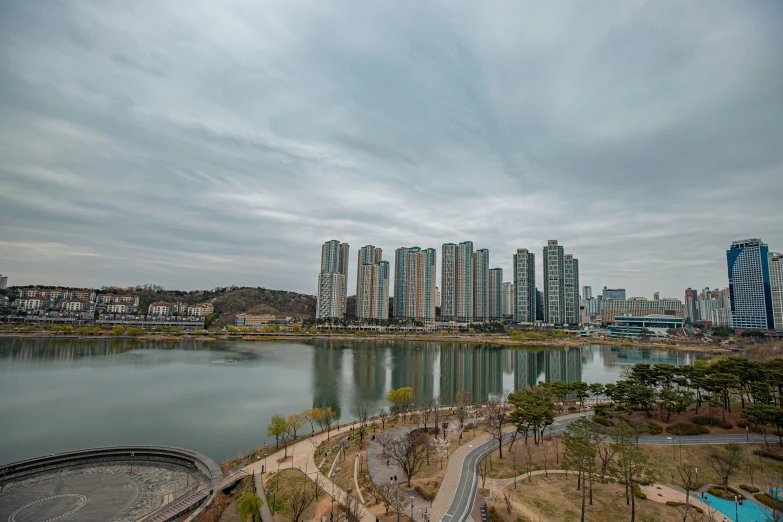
{"type": "Point", "coordinates": [555, 499]}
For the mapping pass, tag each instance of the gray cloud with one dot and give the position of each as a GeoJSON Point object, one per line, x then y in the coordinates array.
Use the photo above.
{"type": "Point", "coordinates": [223, 143]}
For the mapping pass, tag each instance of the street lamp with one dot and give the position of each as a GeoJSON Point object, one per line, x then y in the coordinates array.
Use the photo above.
{"type": "Point", "coordinates": [264, 460]}
{"type": "Point", "coordinates": [747, 434]}
{"type": "Point", "coordinates": [736, 509]}
{"type": "Point", "coordinates": [674, 452]}
{"type": "Point", "coordinates": [411, 509]}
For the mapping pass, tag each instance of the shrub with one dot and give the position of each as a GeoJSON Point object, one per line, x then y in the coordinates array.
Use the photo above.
{"type": "Point", "coordinates": [637, 492]}
{"type": "Point", "coordinates": [603, 421]}
{"type": "Point", "coordinates": [426, 495]}
{"type": "Point", "coordinates": [769, 500]}
{"type": "Point", "coordinates": [702, 420]}
{"type": "Point", "coordinates": [718, 492]}
{"type": "Point", "coordinates": [742, 423]}
{"type": "Point", "coordinates": [769, 455]}
{"type": "Point", "coordinates": [572, 409]}
{"type": "Point", "coordinates": [749, 488]}
{"type": "Point", "coordinates": [726, 425]}
{"type": "Point", "coordinates": [655, 428]}
{"type": "Point", "coordinates": [685, 428]}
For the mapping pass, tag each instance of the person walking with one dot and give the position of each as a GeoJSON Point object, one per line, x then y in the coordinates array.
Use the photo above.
{"type": "Point", "coordinates": [388, 463]}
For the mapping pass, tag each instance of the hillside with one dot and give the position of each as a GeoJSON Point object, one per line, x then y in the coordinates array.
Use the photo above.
{"type": "Point", "coordinates": [229, 301]}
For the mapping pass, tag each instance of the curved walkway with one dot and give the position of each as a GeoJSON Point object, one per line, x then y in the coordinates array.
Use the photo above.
{"type": "Point", "coordinates": [381, 470]}
{"type": "Point", "coordinates": [304, 461]}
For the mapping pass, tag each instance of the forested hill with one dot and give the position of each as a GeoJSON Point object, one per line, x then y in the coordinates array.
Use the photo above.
{"type": "Point", "coordinates": [229, 301]}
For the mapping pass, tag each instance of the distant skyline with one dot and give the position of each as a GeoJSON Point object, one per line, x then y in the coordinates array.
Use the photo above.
{"type": "Point", "coordinates": [204, 145]}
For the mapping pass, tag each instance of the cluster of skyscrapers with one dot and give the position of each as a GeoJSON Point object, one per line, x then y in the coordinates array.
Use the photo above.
{"type": "Point", "coordinates": [471, 291]}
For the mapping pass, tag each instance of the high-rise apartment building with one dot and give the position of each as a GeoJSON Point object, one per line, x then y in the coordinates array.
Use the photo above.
{"type": "Point", "coordinates": [776, 288]}
{"type": "Point", "coordinates": [539, 306]}
{"type": "Point", "coordinates": [613, 293]}
{"type": "Point", "coordinates": [368, 256]}
{"type": "Point", "coordinates": [3, 281]}
{"type": "Point", "coordinates": [508, 300]}
{"type": "Point", "coordinates": [495, 294]}
{"type": "Point", "coordinates": [691, 308]}
{"type": "Point", "coordinates": [587, 292]}
{"type": "Point", "coordinates": [572, 313]}
{"type": "Point", "coordinates": [554, 283]}
{"type": "Point", "coordinates": [457, 282]}
{"type": "Point", "coordinates": [480, 285]}
{"type": "Point", "coordinates": [749, 284]}
{"type": "Point", "coordinates": [414, 283]}
{"type": "Point", "coordinates": [657, 296]}
{"type": "Point", "coordinates": [524, 286]}
{"type": "Point", "coordinates": [332, 280]}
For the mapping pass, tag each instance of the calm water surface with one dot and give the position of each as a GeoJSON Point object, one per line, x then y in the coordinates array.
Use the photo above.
{"type": "Point", "coordinates": [217, 397]}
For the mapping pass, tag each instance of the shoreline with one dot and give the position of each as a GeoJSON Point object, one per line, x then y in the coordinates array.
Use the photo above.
{"type": "Point", "coordinates": [506, 342]}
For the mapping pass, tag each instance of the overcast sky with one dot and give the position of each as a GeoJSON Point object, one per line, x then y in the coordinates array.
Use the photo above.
{"type": "Point", "coordinates": [197, 144]}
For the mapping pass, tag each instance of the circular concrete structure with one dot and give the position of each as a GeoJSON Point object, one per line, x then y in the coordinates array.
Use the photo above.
{"type": "Point", "coordinates": [120, 483]}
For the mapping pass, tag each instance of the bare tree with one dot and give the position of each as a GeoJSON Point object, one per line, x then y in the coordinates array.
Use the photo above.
{"type": "Point", "coordinates": [546, 454]}
{"type": "Point", "coordinates": [775, 513]}
{"type": "Point", "coordinates": [353, 509]}
{"type": "Point", "coordinates": [391, 495]}
{"type": "Point", "coordinates": [410, 452]}
{"type": "Point", "coordinates": [436, 404]}
{"type": "Point", "coordinates": [556, 445]}
{"type": "Point", "coordinates": [384, 416]}
{"type": "Point", "coordinates": [507, 501]}
{"type": "Point", "coordinates": [318, 484]}
{"type": "Point", "coordinates": [494, 418]}
{"type": "Point", "coordinates": [361, 408]}
{"type": "Point", "coordinates": [529, 461]}
{"type": "Point", "coordinates": [687, 475]}
{"type": "Point", "coordinates": [747, 456]}
{"type": "Point", "coordinates": [725, 463]}
{"type": "Point", "coordinates": [299, 499]}
{"type": "Point", "coordinates": [515, 461]}
{"type": "Point", "coordinates": [463, 400]}
{"type": "Point", "coordinates": [483, 469]}
{"type": "Point", "coordinates": [384, 439]}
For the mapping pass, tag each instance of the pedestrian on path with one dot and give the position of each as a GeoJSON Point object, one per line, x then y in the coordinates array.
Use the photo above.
{"type": "Point", "coordinates": [388, 463]}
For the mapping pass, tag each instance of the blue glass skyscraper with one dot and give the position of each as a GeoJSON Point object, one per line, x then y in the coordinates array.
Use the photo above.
{"type": "Point", "coordinates": [749, 285]}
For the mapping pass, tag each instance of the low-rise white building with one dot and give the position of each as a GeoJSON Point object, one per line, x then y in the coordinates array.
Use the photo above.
{"type": "Point", "coordinates": [78, 305]}
{"type": "Point", "coordinates": [105, 299]}
{"type": "Point", "coordinates": [121, 308]}
{"type": "Point", "coordinates": [201, 310]}
{"type": "Point", "coordinates": [162, 308]}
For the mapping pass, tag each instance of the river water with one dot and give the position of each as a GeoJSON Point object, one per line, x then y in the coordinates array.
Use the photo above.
{"type": "Point", "coordinates": [217, 397]}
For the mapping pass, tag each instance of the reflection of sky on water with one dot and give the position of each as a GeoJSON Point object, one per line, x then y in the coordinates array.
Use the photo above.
{"type": "Point", "coordinates": [217, 397]}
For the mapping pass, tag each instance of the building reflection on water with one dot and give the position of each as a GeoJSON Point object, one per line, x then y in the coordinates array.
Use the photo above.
{"type": "Point", "coordinates": [341, 371]}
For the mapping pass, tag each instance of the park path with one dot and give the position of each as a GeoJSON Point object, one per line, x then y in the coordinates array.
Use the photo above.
{"type": "Point", "coordinates": [381, 472]}
{"type": "Point", "coordinates": [266, 513]}
{"type": "Point", "coordinates": [304, 461]}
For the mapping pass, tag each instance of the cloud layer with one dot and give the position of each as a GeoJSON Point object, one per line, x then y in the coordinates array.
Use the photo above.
{"type": "Point", "coordinates": [203, 144]}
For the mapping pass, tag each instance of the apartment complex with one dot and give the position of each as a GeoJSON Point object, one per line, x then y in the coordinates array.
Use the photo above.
{"type": "Point", "coordinates": [571, 290]}
{"type": "Point", "coordinates": [508, 300]}
{"type": "Point", "coordinates": [749, 285]}
{"type": "Point", "coordinates": [480, 282]}
{"type": "Point", "coordinates": [776, 288]}
{"type": "Point", "coordinates": [368, 256]}
{"type": "Point", "coordinates": [524, 302]}
{"type": "Point", "coordinates": [332, 280]}
{"type": "Point", "coordinates": [414, 283]}
{"type": "Point", "coordinates": [561, 286]}
{"type": "Point", "coordinates": [457, 282]}
{"type": "Point", "coordinates": [639, 307]}
{"type": "Point", "coordinates": [495, 294]}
